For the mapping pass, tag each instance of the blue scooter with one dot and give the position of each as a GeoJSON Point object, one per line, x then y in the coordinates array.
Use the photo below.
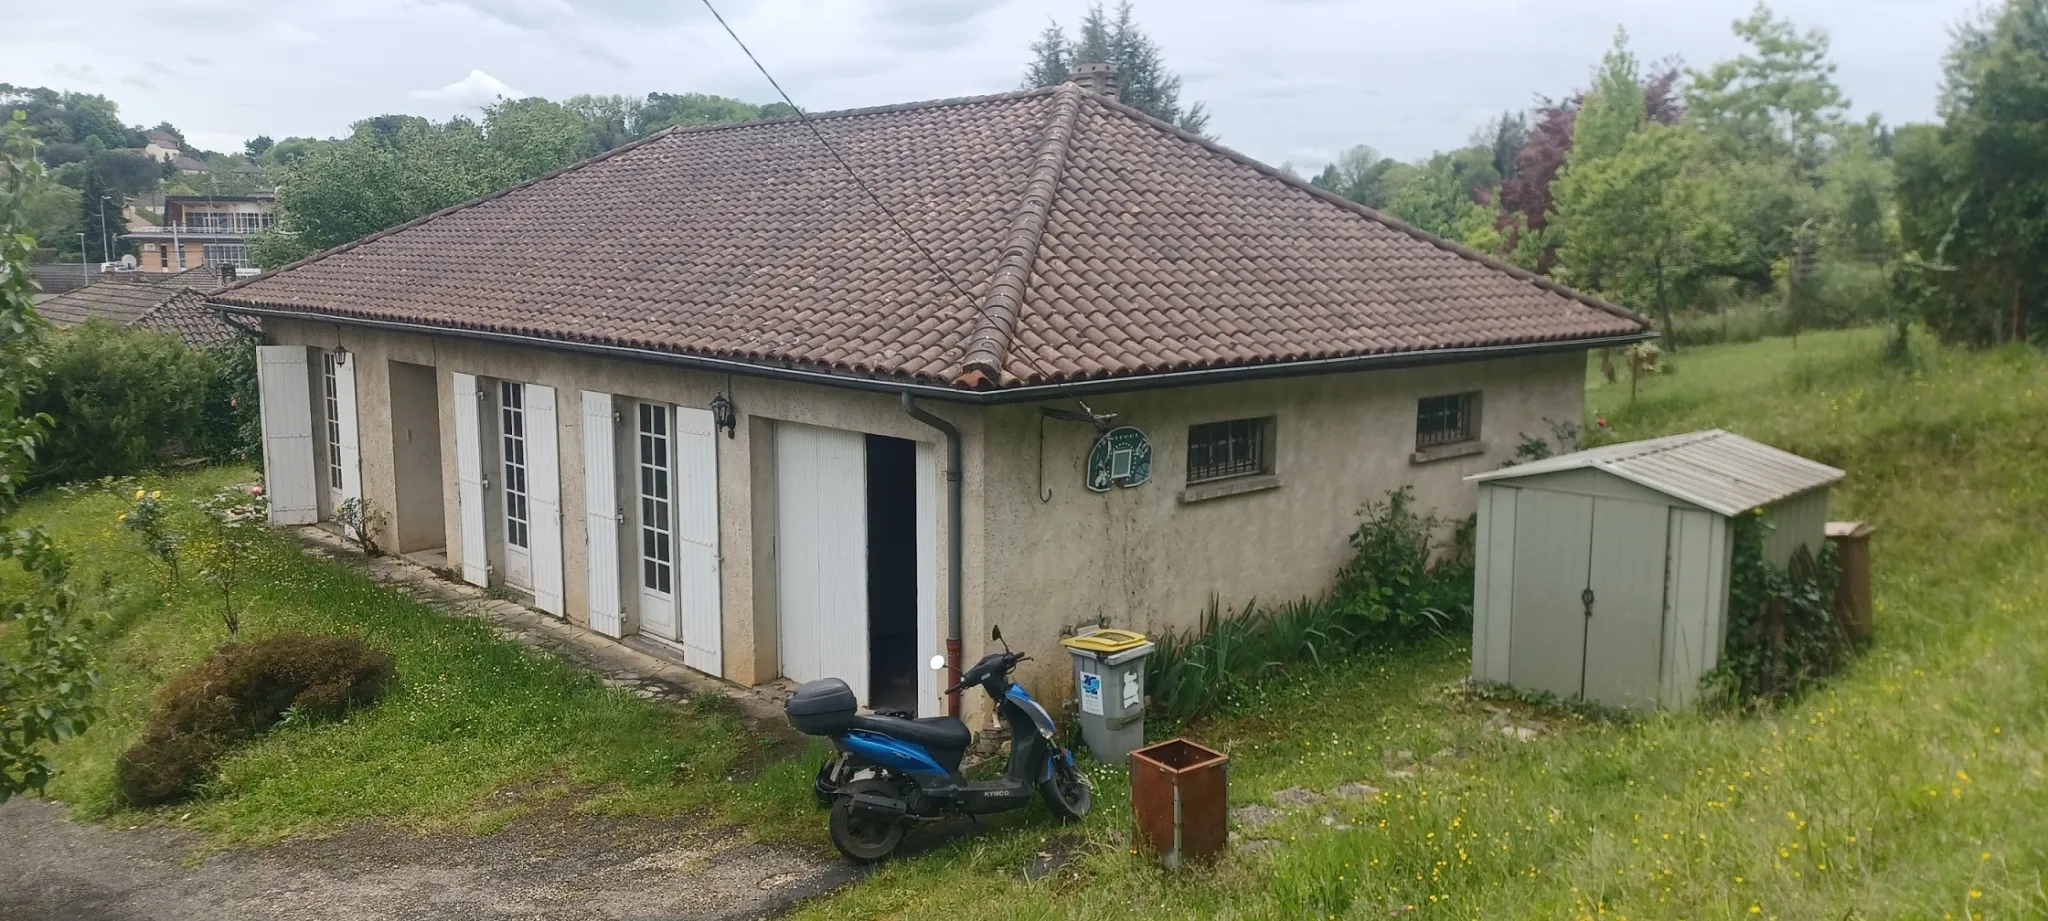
{"type": "Point", "coordinates": [893, 771]}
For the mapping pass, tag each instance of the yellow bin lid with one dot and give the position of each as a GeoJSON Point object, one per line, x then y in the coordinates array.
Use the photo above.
{"type": "Point", "coordinates": [1106, 641]}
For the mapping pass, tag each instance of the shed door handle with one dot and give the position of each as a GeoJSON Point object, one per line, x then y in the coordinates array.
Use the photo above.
{"type": "Point", "coordinates": [1586, 598]}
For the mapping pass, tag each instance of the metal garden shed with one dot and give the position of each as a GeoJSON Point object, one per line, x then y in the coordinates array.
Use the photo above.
{"type": "Point", "coordinates": [1603, 574]}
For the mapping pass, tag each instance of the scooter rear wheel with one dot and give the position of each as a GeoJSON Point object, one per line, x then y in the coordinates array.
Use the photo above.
{"type": "Point", "coordinates": [860, 838]}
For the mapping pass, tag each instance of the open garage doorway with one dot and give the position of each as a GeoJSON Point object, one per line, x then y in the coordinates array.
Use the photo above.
{"type": "Point", "coordinates": [856, 547]}
{"type": "Point", "coordinates": [892, 572]}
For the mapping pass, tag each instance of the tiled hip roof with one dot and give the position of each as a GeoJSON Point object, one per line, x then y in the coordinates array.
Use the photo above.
{"type": "Point", "coordinates": [1074, 239]}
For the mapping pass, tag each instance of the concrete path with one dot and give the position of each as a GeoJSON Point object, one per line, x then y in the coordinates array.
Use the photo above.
{"type": "Point", "coordinates": [553, 866]}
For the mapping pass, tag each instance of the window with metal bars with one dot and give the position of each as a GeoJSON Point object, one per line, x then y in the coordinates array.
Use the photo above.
{"type": "Point", "coordinates": [1240, 447]}
{"type": "Point", "coordinates": [1446, 420]}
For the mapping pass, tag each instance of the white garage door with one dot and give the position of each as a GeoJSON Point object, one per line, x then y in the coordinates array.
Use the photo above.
{"type": "Point", "coordinates": [821, 548]}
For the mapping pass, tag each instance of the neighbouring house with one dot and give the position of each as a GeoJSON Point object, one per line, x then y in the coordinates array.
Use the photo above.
{"type": "Point", "coordinates": [174, 304]}
{"type": "Point", "coordinates": [700, 392]}
{"type": "Point", "coordinates": [57, 278]}
{"type": "Point", "coordinates": [203, 230]}
{"type": "Point", "coordinates": [162, 147]}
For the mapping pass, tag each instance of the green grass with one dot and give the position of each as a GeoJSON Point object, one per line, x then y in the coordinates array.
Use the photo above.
{"type": "Point", "coordinates": [1911, 786]}
{"type": "Point", "coordinates": [477, 731]}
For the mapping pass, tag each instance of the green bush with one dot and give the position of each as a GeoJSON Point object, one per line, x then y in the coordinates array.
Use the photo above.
{"type": "Point", "coordinates": [239, 692]}
{"type": "Point", "coordinates": [1783, 635]}
{"type": "Point", "coordinates": [116, 398]}
{"type": "Point", "coordinates": [229, 428]}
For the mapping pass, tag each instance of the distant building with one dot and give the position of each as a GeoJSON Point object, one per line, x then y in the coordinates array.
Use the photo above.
{"type": "Point", "coordinates": [162, 147]}
{"type": "Point", "coordinates": [204, 230]}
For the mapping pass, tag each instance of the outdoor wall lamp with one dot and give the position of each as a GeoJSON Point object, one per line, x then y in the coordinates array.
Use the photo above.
{"type": "Point", "coordinates": [723, 417]}
{"type": "Point", "coordinates": [341, 354]}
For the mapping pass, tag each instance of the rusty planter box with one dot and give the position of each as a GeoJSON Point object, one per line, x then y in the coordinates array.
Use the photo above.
{"type": "Point", "coordinates": [1180, 797]}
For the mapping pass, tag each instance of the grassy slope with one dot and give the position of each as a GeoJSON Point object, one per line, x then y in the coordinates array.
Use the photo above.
{"type": "Point", "coordinates": [1913, 786]}
{"type": "Point", "coordinates": [473, 715]}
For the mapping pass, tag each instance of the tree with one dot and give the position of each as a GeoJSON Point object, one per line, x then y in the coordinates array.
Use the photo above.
{"type": "Point", "coordinates": [1973, 195]}
{"type": "Point", "coordinates": [291, 150]}
{"type": "Point", "coordinates": [1362, 175]}
{"type": "Point", "coordinates": [663, 111]}
{"type": "Point", "coordinates": [1442, 195]}
{"type": "Point", "coordinates": [614, 120]}
{"type": "Point", "coordinates": [533, 136]}
{"type": "Point", "coordinates": [47, 677]}
{"type": "Point", "coordinates": [255, 147]}
{"type": "Point", "coordinates": [1640, 224]}
{"type": "Point", "coordinates": [1143, 82]}
{"type": "Point", "coordinates": [127, 172]}
{"type": "Point", "coordinates": [100, 211]}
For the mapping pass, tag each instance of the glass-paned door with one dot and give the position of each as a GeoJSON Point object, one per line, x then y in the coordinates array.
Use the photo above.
{"type": "Point", "coordinates": [518, 533]}
{"type": "Point", "coordinates": [330, 389]}
{"type": "Point", "coordinates": [655, 455]}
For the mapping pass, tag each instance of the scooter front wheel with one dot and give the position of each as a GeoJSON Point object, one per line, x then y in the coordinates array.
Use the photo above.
{"type": "Point", "coordinates": [861, 838]}
{"type": "Point", "coordinates": [1068, 792]}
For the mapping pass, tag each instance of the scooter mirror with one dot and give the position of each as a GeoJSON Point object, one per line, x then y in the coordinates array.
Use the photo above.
{"type": "Point", "coordinates": [938, 663]}
{"type": "Point", "coordinates": [995, 633]}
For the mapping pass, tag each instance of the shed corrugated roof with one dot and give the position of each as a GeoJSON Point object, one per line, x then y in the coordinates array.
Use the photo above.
{"type": "Point", "coordinates": [1715, 470]}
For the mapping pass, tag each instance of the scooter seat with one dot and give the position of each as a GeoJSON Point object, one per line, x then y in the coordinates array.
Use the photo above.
{"type": "Point", "coordinates": [938, 733]}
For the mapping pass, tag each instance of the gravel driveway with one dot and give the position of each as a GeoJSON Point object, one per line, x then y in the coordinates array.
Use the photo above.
{"type": "Point", "coordinates": [551, 865]}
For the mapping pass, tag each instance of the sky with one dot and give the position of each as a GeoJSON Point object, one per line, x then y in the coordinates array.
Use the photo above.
{"type": "Point", "coordinates": [1287, 81]}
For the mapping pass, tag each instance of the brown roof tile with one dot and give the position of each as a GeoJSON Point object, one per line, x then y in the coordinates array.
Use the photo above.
{"type": "Point", "coordinates": [1090, 241]}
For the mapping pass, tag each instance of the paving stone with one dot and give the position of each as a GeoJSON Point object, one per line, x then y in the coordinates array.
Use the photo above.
{"type": "Point", "coordinates": [1255, 816]}
{"type": "Point", "coordinates": [1297, 797]}
{"type": "Point", "coordinates": [1355, 790]}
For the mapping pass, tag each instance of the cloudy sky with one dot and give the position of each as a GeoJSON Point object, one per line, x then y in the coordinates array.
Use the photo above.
{"type": "Point", "coordinates": [1287, 80]}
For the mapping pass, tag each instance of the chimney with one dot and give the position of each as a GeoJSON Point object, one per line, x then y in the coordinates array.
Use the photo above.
{"type": "Point", "coordinates": [1098, 78]}
{"type": "Point", "coordinates": [227, 273]}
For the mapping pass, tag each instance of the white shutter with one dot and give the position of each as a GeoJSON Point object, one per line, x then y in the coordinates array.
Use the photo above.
{"type": "Point", "coordinates": [927, 511]}
{"type": "Point", "coordinates": [821, 544]}
{"type": "Point", "coordinates": [697, 597]}
{"type": "Point", "coordinates": [544, 496]}
{"type": "Point", "coordinates": [287, 412]}
{"type": "Point", "coordinates": [469, 478]}
{"type": "Point", "coordinates": [601, 512]}
{"type": "Point", "coordinates": [350, 440]}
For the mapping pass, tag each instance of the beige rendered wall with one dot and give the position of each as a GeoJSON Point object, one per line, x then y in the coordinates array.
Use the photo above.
{"type": "Point", "coordinates": [745, 488]}
{"type": "Point", "coordinates": [1142, 558]}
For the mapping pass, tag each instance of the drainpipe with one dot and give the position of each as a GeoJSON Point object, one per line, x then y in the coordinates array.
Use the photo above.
{"type": "Point", "coordinates": [953, 542]}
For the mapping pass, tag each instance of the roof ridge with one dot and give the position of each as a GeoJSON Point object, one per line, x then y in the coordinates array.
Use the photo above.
{"type": "Point", "coordinates": [988, 344]}
{"type": "Point", "coordinates": [1456, 249]}
{"type": "Point", "coordinates": [629, 146]}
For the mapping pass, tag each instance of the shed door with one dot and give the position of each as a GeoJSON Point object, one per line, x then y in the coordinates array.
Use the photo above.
{"type": "Point", "coordinates": [1625, 638]}
{"type": "Point", "coordinates": [822, 553]}
{"type": "Point", "coordinates": [1547, 636]}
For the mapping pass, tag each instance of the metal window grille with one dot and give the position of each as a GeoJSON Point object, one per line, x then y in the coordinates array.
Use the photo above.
{"type": "Point", "coordinates": [1446, 419]}
{"type": "Point", "coordinates": [1226, 449]}
{"type": "Point", "coordinates": [512, 409]}
{"type": "Point", "coordinates": [331, 391]}
{"type": "Point", "coordinates": [657, 550]}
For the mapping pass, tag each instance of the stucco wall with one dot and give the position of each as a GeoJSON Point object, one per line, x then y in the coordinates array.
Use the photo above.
{"type": "Point", "coordinates": [1132, 557]}
{"type": "Point", "coordinates": [745, 561]}
{"type": "Point", "coordinates": [1142, 558]}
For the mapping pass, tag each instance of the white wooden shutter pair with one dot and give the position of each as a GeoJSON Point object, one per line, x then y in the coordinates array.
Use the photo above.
{"type": "Point", "coordinates": [283, 385]}
{"type": "Point", "coordinates": [543, 488]}
{"type": "Point", "coordinates": [696, 528]}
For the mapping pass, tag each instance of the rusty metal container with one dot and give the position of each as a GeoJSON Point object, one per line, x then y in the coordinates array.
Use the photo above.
{"type": "Point", "coordinates": [1852, 594]}
{"type": "Point", "coordinates": [1180, 797]}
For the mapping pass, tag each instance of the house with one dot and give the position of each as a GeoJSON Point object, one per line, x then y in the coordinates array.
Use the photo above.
{"type": "Point", "coordinates": [174, 304]}
{"type": "Point", "coordinates": [705, 394]}
{"type": "Point", "coordinates": [204, 230]}
{"type": "Point", "coordinates": [162, 147]}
